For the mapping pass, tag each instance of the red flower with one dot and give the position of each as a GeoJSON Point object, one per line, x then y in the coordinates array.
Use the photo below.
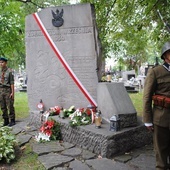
{"type": "Point", "coordinates": [42, 129]}
{"type": "Point", "coordinates": [81, 110]}
{"type": "Point", "coordinates": [48, 132]}
{"type": "Point", "coordinates": [88, 112]}
{"type": "Point", "coordinates": [50, 124]}
{"type": "Point", "coordinates": [57, 109]}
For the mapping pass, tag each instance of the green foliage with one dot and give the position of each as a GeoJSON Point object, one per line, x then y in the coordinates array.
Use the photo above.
{"type": "Point", "coordinates": [131, 30]}
{"type": "Point", "coordinates": [7, 143]}
{"type": "Point", "coordinates": [12, 26]}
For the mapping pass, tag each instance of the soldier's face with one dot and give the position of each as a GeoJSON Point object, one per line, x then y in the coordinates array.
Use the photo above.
{"type": "Point", "coordinates": [167, 57]}
{"type": "Point", "coordinates": [3, 64]}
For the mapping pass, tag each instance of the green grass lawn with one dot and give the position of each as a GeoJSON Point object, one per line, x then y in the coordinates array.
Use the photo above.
{"type": "Point", "coordinates": [136, 99]}
{"type": "Point", "coordinates": [21, 105]}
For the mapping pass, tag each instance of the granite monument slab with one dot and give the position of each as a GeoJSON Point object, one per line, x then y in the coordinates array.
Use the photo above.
{"type": "Point", "coordinates": [72, 30]}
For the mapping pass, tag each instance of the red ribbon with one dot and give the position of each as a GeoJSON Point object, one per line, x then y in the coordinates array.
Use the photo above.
{"type": "Point", "coordinates": [62, 60]}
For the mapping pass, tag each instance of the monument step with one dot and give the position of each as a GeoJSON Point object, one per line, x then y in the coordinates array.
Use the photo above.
{"type": "Point", "coordinates": [103, 141]}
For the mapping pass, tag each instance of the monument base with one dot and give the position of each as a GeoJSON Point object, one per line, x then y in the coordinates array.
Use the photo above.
{"type": "Point", "coordinates": [103, 141]}
{"type": "Point", "coordinates": [113, 99]}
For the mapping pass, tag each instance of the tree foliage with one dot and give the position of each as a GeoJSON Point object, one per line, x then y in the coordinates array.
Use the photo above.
{"type": "Point", "coordinates": [12, 30]}
{"type": "Point", "coordinates": [12, 26]}
{"type": "Point", "coordinates": [132, 30]}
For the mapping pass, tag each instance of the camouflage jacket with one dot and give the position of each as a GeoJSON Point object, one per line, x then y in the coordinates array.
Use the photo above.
{"type": "Point", "coordinates": [8, 77]}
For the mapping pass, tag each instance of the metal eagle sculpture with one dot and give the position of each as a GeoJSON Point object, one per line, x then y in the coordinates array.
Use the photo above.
{"type": "Point", "coordinates": [57, 20]}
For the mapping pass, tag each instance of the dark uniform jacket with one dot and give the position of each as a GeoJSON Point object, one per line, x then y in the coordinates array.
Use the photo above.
{"type": "Point", "coordinates": [157, 82]}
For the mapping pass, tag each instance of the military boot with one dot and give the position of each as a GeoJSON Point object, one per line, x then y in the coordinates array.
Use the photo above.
{"type": "Point", "coordinates": [12, 122]}
{"type": "Point", "coordinates": [6, 121]}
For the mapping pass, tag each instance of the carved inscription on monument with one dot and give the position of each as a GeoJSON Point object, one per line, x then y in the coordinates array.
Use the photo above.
{"type": "Point", "coordinates": [82, 30]}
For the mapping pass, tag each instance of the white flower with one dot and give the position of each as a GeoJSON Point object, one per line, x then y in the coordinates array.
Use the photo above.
{"type": "Point", "coordinates": [79, 113]}
{"type": "Point", "coordinates": [46, 114]}
{"type": "Point", "coordinates": [74, 121]}
{"type": "Point", "coordinates": [76, 112]}
{"type": "Point", "coordinates": [42, 136]}
{"type": "Point", "coordinates": [71, 116]}
{"type": "Point", "coordinates": [84, 120]}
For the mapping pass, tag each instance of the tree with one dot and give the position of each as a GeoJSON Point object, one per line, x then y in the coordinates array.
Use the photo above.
{"type": "Point", "coordinates": [132, 28]}
{"type": "Point", "coordinates": [11, 29]}
{"type": "Point", "coordinates": [128, 29]}
{"type": "Point", "coordinates": [12, 26]}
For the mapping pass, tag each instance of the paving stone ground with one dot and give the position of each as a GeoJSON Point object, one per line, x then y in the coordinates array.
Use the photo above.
{"type": "Point", "coordinates": [58, 155]}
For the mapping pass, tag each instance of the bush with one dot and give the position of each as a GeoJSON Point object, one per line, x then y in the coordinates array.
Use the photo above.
{"type": "Point", "coordinates": [7, 144]}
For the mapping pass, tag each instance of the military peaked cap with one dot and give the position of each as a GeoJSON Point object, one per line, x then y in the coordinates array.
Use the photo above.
{"type": "Point", "coordinates": [3, 59]}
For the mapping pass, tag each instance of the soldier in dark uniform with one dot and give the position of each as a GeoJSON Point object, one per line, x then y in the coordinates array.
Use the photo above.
{"type": "Point", "coordinates": [156, 111]}
{"type": "Point", "coordinates": [7, 93]}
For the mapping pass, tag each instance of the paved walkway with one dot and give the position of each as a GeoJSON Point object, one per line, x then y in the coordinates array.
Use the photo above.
{"type": "Point", "coordinates": [57, 155]}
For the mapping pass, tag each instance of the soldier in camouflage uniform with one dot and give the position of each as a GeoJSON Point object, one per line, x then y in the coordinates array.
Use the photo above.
{"type": "Point", "coordinates": [156, 111]}
{"type": "Point", "coordinates": [7, 93]}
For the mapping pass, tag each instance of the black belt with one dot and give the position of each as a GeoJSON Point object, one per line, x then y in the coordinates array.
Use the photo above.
{"type": "Point", "coordinates": [6, 87]}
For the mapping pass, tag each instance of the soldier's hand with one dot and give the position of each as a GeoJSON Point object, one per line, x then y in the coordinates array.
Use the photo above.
{"type": "Point", "coordinates": [11, 96]}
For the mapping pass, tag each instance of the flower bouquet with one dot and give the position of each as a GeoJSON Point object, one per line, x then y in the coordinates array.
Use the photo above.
{"type": "Point", "coordinates": [80, 117]}
{"type": "Point", "coordinates": [54, 110]}
{"type": "Point", "coordinates": [69, 111]}
{"type": "Point", "coordinates": [50, 130]}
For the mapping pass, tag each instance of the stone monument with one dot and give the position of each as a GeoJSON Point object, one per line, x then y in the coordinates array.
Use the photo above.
{"type": "Point", "coordinates": [64, 63]}
{"type": "Point", "coordinates": [63, 58]}
{"type": "Point", "coordinates": [113, 99]}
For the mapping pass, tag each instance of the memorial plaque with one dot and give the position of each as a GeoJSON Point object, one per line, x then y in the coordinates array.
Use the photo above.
{"type": "Point", "coordinates": [73, 31]}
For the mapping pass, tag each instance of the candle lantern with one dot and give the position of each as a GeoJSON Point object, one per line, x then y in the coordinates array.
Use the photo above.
{"type": "Point", "coordinates": [114, 123]}
{"type": "Point", "coordinates": [41, 106]}
{"type": "Point", "coordinates": [98, 119]}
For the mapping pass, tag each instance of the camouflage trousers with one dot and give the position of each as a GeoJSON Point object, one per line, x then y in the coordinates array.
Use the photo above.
{"type": "Point", "coordinates": [6, 103]}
